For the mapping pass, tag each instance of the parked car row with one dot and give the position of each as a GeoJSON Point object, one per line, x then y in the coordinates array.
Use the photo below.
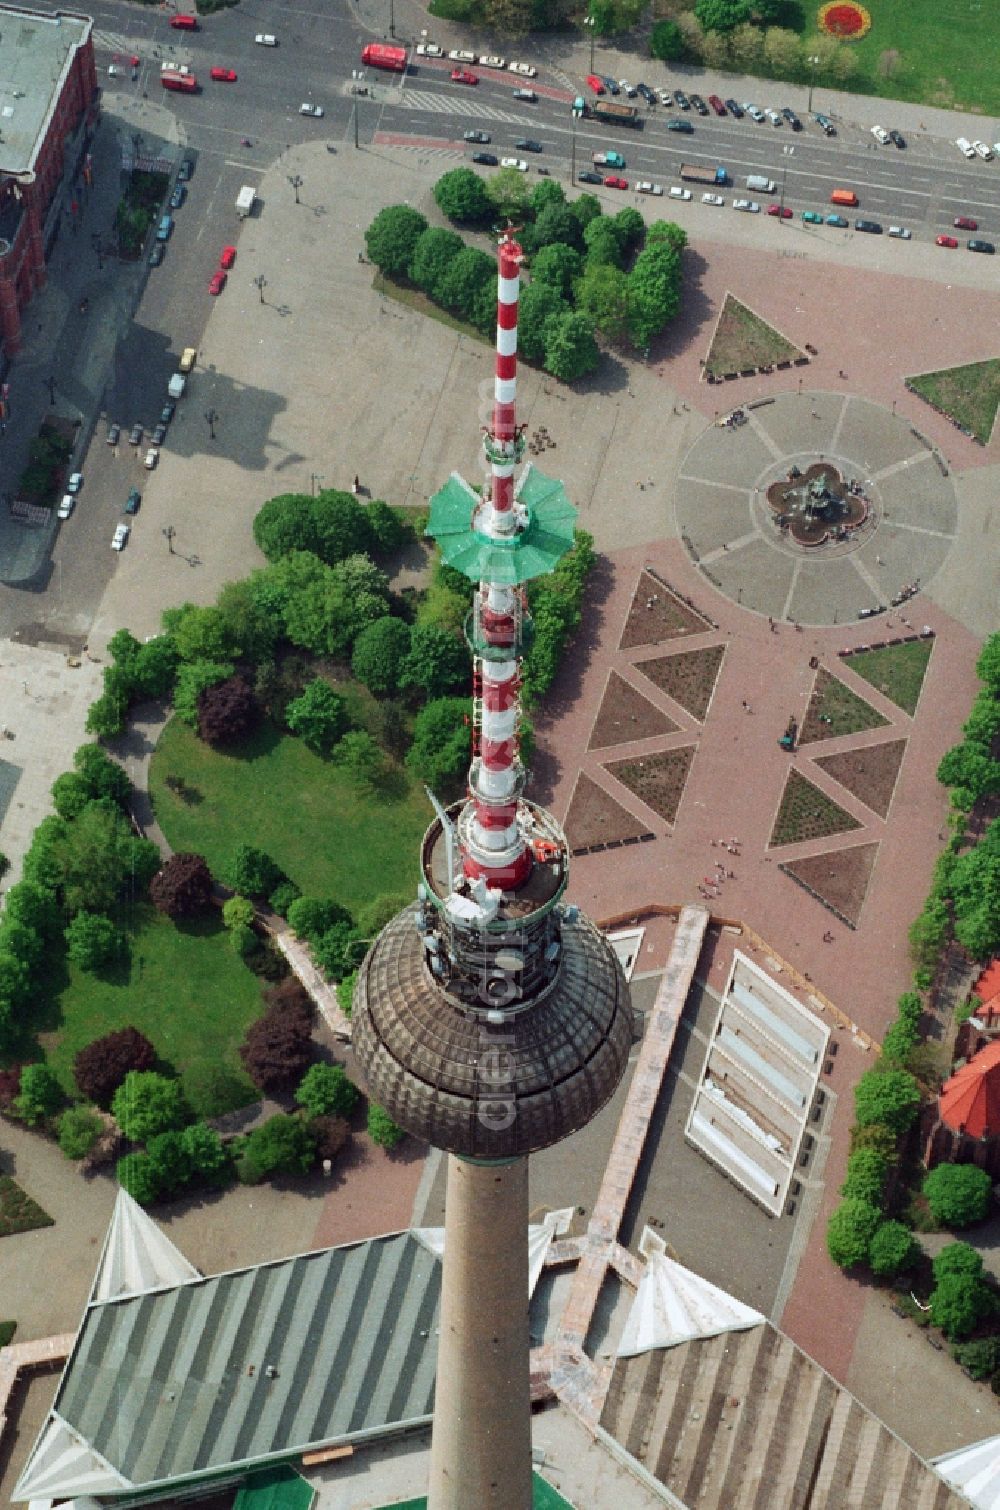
{"type": "Point", "coordinates": [486, 60]}
{"type": "Point", "coordinates": [977, 149]}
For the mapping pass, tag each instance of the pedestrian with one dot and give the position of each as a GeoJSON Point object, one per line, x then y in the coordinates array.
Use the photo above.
{"type": "Point", "coordinates": [743, 703]}
{"type": "Point", "coordinates": [356, 486]}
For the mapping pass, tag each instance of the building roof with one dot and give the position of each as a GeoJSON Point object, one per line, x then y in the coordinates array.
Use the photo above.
{"type": "Point", "coordinates": [37, 49]}
{"type": "Point", "coordinates": [674, 1305]}
{"type": "Point", "coordinates": [987, 988]}
{"type": "Point", "coordinates": [137, 1255]}
{"type": "Point", "coordinates": [970, 1100]}
{"type": "Point", "coordinates": [241, 1368]}
{"type": "Point", "coordinates": [976, 1471]}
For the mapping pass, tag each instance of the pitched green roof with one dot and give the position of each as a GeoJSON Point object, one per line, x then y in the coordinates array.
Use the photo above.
{"type": "Point", "coordinates": [531, 552]}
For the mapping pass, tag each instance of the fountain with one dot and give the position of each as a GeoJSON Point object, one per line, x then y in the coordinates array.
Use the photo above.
{"type": "Point", "coordinates": [817, 505]}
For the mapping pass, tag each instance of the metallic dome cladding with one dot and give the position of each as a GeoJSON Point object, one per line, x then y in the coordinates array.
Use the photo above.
{"type": "Point", "coordinates": [491, 1089]}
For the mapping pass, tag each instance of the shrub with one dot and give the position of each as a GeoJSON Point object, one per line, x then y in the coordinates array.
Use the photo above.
{"type": "Point", "coordinates": [979, 1359]}
{"type": "Point", "coordinates": [891, 1097]}
{"type": "Point", "coordinates": [318, 716]}
{"type": "Point", "coordinates": [876, 1136]}
{"type": "Point", "coordinates": [137, 1175]}
{"type": "Point", "coordinates": [102, 776]}
{"type": "Point", "coordinates": [70, 795]}
{"type": "Point", "coordinates": [243, 941]}
{"type": "Point", "coordinates": [331, 1134]}
{"type": "Point", "coordinates": [207, 1154]}
{"type": "Point", "coordinates": [866, 1175]}
{"type": "Point", "coordinates": [169, 1161]}
{"type": "Point", "coordinates": [310, 917]}
{"type": "Point", "coordinates": [100, 1068]}
{"type": "Point", "coordinates": [277, 1049]}
{"type": "Point", "coordinates": [193, 679]}
{"type": "Point", "coordinates": [290, 998]}
{"type": "Point", "coordinates": [958, 1194]}
{"type": "Point", "coordinates": [325, 1089]}
{"type": "Point", "coordinates": [40, 1095]}
{"type": "Point", "coordinates": [345, 993]}
{"type": "Point", "coordinates": [892, 1249]}
{"type": "Point", "coordinates": [182, 888]}
{"type": "Point", "coordinates": [147, 1103]}
{"type": "Point", "coordinates": [281, 1145]}
{"type": "Point", "coordinates": [282, 897]}
{"type": "Point", "coordinates": [212, 1089]}
{"type": "Point", "coordinates": [93, 941]}
{"type": "Point", "coordinates": [380, 653]}
{"type": "Point", "coordinates": [336, 951]}
{"type": "Point", "coordinates": [957, 1258]}
{"type": "Point", "coordinates": [382, 1129]}
{"type": "Point", "coordinates": [850, 1231]}
{"type": "Point", "coordinates": [238, 912]}
{"type": "Point", "coordinates": [79, 1129]}
{"type": "Point", "coordinates": [373, 916]}
{"type": "Point", "coordinates": [252, 872]}
{"type": "Point", "coordinates": [958, 1303]}
{"type": "Point", "coordinates": [441, 748]}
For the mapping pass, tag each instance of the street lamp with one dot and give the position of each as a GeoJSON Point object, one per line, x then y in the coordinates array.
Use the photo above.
{"type": "Point", "coordinates": [296, 183]}
{"type": "Point", "coordinates": [50, 383]}
{"type": "Point", "coordinates": [259, 283]}
{"type": "Point", "coordinates": [211, 415]}
{"type": "Point", "coordinates": [314, 478]}
{"type": "Point", "coordinates": [392, 18]}
{"type": "Point", "coordinates": [168, 534]}
{"type": "Point", "coordinates": [589, 21]}
{"type": "Point", "coordinates": [814, 63]}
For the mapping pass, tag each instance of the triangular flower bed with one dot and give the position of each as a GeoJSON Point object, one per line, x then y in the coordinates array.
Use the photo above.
{"type": "Point", "coordinates": [625, 716]}
{"type": "Point", "coordinates": [897, 671]}
{"type": "Point", "coordinates": [743, 342]}
{"type": "Point", "coordinates": [839, 879]}
{"type": "Point", "coordinates": [807, 813]}
{"type": "Point", "coordinates": [596, 820]}
{"type": "Point", "coordinates": [657, 780]}
{"type": "Point", "coordinates": [835, 710]}
{"type": "Point", "coordinates": [689, 677]}
{"type": "Point", "coordinates": [870, 775]}
{"type": "Point", "coordinates": [658, 614]}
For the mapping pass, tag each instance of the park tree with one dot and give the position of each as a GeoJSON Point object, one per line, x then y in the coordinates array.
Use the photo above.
{"type": "Point", "coordinates": [332, 1134]}
{"type": "Point", "coordinates": [325, 1090]}
{"type": "Point", "coordinates": [33, 906]}
{"type": "Point", "coordinates": [586, 208]}
{"type": "Point", "coordinates": [666, 42]}
{"type": "Point", "coordinates": [467, 274]}
{"type": "Point", "coordinates": [285, 523]}
{"type": "Point", "coordinates": [227, 711]}
{"type": "Point", "coordinates": [102, 776]}
{"type": "Point", "coordinates": [359, 757]}
{"type": "Point", "coordinates": [106, 715]}
{"type": "Point", "coordinates": [310, 917]}
{"type": "Point", "coordinates": [434, 254]}
{"type": "Point", "coordinates": [392, 237]}
{"type": "Point", "coordinates": [201, 633]}
{"type": "Point", "coordinates": [988, 664]}
{"type": "Point", "coordinates": [850, 1231]}
{"type": "Point", "coordinates": [100, 856]}
{"type": "Point", "coordinates": [602, 243]}
{"type": "Point", "coordinates": [79, 1129]}
{"type": "Point", "coordinates": [342, 527]}
{"type": "Point", "coordinates": [957, 1259]}
{"type": "Point", "coordinates": [238, 912]}
{"type": "Point", "coordinates": [892, 1249]}
{"type": "Point", "coordinates": [958, 1303]}
{"type": "Point", "coordinates": [382, 1129]}
{"type": "Point", "coordinates": [389, 528]}
{"type": "Point", "coordinates": [783, 52]}
{"type": "Point", "coordinates": [867, 1171]}
{"type": "Point", "coordinates": [461, 195]}
{"type": "Point", "coordinates": [891, 1097]}
{"type": "Point", "coordinates": [101, 1067]}
{"type": "Point", "coordinates": [547, 191]}
{"type": "Point", "coordinates": [958, 1194]}
{"type": "Point", "coordinates": [194, 678]}
{"type": "Point", "coordinates": [559, 266]}
{"type": "Point", "coordinates": [746, 47]}
{"type": "Point", "coordinates": [22, 943]}
{"type": "Point", "coordinates": [182, 887]}
{"type": "Point", "coordinates": [155, 667]}
{"type": "Point", "coordinates": [629, 227]}
{"type": "Point", "coordinates": [252, 872]}
{"type": "Point", "coordinates": [983, 723]}
{"type": "Point", "coordinates": [722, 15]}
{"type": "Point", "coordinates": [538, 302]}
{"type": "Point", "coordinates": [281, 1145]}
{"type": "Point", "coordinates": [654, 293]}
{"type": "Point", "coordinates": [93, 941]}
{"type": "Point", "coordinates": [247, 621]}
{"type": "Point", "coordinates": [570, 348]}
{"type": "Point", "coordinates": [373, 916]}
{"type": "Point", "coordinates": [277, 1049]}
{"type": "Point", "coordinates": [137, 1176]}
{"type": "Point", "coordinates": [70, 795]}
{"type": "Point", "coordinates": [613, 18]}
{"type": "Point", "coordinates": [42, 864]}
{"type": "Point", "coordinates": [508, 193]}
{"type": "Point", "coordinates": [318, 716]}
{"type": "Point", "coordinates": [979, 1359]}
{"type": "Point", "coordinates": [558, 226]}
{"type": "Point", "coordinates": [439, 754]}
{"type": "Point", "coordinates": [40, 1096]}
{"type": "Point", "coordinates": [602, 293]}
{"type": "Point", "coordinates": [967, 765]}
{"type": "Point", "coordinates": [207, 1154]}
{"type": "Point", "coordinates": [345, 994]}
{"type": "Point", "coordinates": [147, 1103]}
{"type": "Point", "coordinates": [380, 654]}
{"type": "Point", "coordinates": [975, 889]}
{"type": "Point", "coordinates": [436, 662]}
{"type": "Point", "coordinates": [336, 951]}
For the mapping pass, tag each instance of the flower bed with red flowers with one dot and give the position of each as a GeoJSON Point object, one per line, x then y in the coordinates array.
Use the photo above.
{"type": "Point", "coordinates": [844, 19]}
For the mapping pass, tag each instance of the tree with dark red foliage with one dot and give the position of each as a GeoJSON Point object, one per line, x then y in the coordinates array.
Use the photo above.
{"type": "Point", "coordinates": [227, 711]}
{"type": "Point", "coordinates": [289, 995]}
{"type": "Point", "coordinates": [100, 1068]}
{"type": "Point", "coordinates": [277, 1049]}
{"type": "Point", "coordinates": [331, 1134]}
{"type": "Point", "coordinates": [183, 888]}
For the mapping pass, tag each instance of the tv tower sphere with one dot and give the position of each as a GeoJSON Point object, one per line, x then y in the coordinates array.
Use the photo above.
{"type": "Point", "coordinates": [490, 1019]}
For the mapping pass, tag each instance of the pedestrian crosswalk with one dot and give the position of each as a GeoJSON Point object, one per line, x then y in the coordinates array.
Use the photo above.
{"type": "Point", "coordinates": [115, 42]}
{"type": "Point", "coordinates": [444, 104]}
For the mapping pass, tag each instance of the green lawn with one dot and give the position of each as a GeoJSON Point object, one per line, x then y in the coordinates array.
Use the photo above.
{"type": "Point", "coordinates": [278, 795]}
{"type": "Point", "coordinates": [947, 53]}
{"type": "Point", "coordinates": [970, 394]}
{"type": "Point", "coordinates": [896, 670]}
{"type": "Point", "coordinates": [183, 987]}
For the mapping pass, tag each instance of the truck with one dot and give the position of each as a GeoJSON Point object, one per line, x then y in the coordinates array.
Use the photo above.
{"type": "Point", "coordinates": [698, 175]}
{"type": "Point", "coordinates": [245, 201]}
{"type": "Point", "coordinates": [176, 386]}
{"type": "Point", "coordinates": [381, 55]}
{"type": "Point", "coordinates": [608, 160]}
{"type": "Point", "coordinates": [186, 83]}
{"type": "Point", "coordinates": [760, 183]}
{"type": "Point", "coordinates": [174, 68]}
{"type": "Point", "coordinates": [610, 111]}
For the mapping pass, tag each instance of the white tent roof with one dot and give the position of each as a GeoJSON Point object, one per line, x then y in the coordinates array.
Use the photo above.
{"type": "Point", "coordinates": [540, 1237]}
{"type": "Point", "coordinates": [137, 1256]}
{"type": "Point", "coordinates": [974, 1471]}
{"type": "Point", "coordinates": [62, 1463]}
{"type": "Point", "coordinates": [673, 1305]}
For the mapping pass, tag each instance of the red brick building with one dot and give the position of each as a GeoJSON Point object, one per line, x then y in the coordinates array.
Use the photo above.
{"type": "Point", "coordinates": [48, 110]}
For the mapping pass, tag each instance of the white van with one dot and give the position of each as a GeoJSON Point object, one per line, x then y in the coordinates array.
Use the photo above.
{"type": "Point", "coordinates": [265, 39]}
{"type": "Point", "coordinates": [760, 184]}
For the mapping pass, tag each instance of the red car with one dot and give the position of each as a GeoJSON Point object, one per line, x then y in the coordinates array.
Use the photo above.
{"type": "Point", "coordinates": [616, 183]}
{"type": "Point", "coordinates": [217, 283]}
{"type": "Point", "coordinates": [780, 209]}
{"type": "Point", "coordinates": [946, 241]}
{"type": "Point", "coordinates": [463, 76]}
{"type": "Point", "coordinates": [716, 104]}
{"type": "Point", "coordinates": [228, 258]}
{"type": "Point", "coordinates": [223, 75]}
{"type": "Point", "coordinates": [184, 23]}
{"type": "Point", "coordinates": [965, 223]}
{"type": "Point", "coordinates": [595, 83]}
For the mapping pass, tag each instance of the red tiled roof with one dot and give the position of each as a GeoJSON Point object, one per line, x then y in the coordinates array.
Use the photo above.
{"type": "Point", "coordinates": [987, 988]}
{"type": "Point", "coordinates": [970, 1100]}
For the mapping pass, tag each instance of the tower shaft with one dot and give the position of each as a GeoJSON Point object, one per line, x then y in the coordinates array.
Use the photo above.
{"type": "Point", "coordinates": [481, 1443]}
